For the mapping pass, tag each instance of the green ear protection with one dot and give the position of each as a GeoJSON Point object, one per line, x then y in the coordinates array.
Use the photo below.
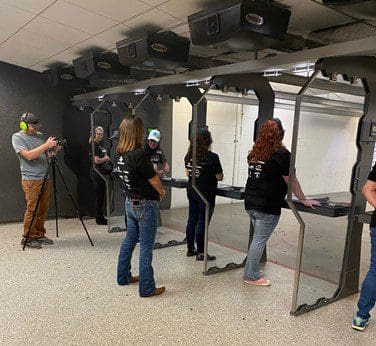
{"type": "Point", "coordinates": [24, 125]}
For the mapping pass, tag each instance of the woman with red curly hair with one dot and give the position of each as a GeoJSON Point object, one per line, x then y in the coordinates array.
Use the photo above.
{"type": "Point", "coordinates": [268, 174]}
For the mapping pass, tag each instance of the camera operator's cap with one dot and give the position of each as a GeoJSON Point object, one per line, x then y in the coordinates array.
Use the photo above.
{"type": "Point", "coordinates": [154, 135]}
{"type": "Point", "coordinates": [30, 119]}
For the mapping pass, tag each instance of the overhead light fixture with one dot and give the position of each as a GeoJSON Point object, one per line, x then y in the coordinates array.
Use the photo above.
{"type": "Point", "coordinates": [354, 80]}
{"type": "Point", "coordinates": [113, 104]}
{"type": "Point", "coordinates": [333, 77]}
{"type": "Point", "coordinates": [304, 69]}
{"type": "Point", "coordinates": [81, 108]}
{"type": "Point", "coordinates": [100, 98]}
{"type": "Point", "coordinates": [139, 91]}
{"type": "Point", "coordinates": [159, 98]}
{"type": "Point", "coordinates": [130, 105]}
{"type": "Point", "coordinates": [192, 83]}
{"type": "Point", "coordinates": [272, 73]}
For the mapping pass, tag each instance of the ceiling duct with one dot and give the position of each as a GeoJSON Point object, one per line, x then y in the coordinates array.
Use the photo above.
{"type": "Point", "coordinates": [362, 9]}
{"type": "Point", "coordinates": [104, 66]}
{"type": "Point", "coordinates": [165, 50]}
{"type": "Point", "coordinates": [250, 25]}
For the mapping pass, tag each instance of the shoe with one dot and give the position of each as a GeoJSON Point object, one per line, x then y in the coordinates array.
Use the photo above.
{"type": "Point", "coordinates": [191, 253]}
{"type": "Point", "coordinates": [46, 241]}
{"type": "Point", "coordinates": [101, 222]}
{"type": "Point", "coordinates": [32, 243]}
{"type": "Point", "coordinates": [360, 323]}
{"type": "Point", "coordinates": [157, 292]}
{"type": "Point", "coordinates": [259, 282]}
{"type": "Point", "coordinates": [200, 257]}
{"type": "Point", "coordinates": [134, 279]}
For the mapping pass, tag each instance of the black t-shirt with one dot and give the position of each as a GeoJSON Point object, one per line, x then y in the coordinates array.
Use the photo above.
{"type": "Point", "coordinates": [206, 169]}
{"type": "Point", "coordinates": [372, 177]}
{"type": "Point", "coordinates": [266, 189]}
{"type": "Point", "coordinates": [99, 150]}
{"type": "Point", "coordinates": [156, 155]}
{"type": "Point", "coordinates": [135, 170]}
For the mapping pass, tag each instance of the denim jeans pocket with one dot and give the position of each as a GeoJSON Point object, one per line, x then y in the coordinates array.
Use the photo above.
{"type": "Point", "coordinates": [138, 210]}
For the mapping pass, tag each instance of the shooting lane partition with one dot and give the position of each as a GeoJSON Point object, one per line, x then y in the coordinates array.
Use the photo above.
{"type": "Point", "coordinates": [363, 68]}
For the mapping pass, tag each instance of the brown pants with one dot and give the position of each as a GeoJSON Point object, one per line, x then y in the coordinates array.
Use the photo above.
{"type": "Point", "coordinates": [31, 189]}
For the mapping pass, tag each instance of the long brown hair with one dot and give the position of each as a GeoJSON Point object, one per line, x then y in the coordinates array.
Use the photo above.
{"type": "Point", "coordinates": [132, 135]}
{"type": "Point", "coordinates": [267, 143]}
{"type": "Point", "coordinates": [204, 140]}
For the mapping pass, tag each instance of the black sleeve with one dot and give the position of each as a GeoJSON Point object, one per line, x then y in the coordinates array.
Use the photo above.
{"type": "Point", "coordinates": [162, 159]}
{"type": "Point", "coordinates": [372, 174]}
{"type": "Point", "coordinates": [97, 151]}
{"type": "Point", "coordinates": [144, 165]}
{"type": "Point", "coordinates": [217, 165]}
{"type": "Point", "coordinates": [282, 157]}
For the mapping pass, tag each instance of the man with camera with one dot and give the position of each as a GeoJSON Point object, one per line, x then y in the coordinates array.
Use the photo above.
{"type": "Point", "coordinates": [33, 151]}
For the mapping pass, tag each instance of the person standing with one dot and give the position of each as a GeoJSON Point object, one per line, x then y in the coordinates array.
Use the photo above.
{"type": "Point", "coordinates": [143, 191]}
{"type": "Point", "coordinates": [32, 152]}
{"type": "Point", "coordinates": [208, 173]}
{"type": "Point", "coordinates": [157, 158]}
{"type": "Point", "coordinates": [265, 192]}
{"type": "Point", "coordinates": [100, 158]}
{"type": "Point", "coordinates": [367, 296]}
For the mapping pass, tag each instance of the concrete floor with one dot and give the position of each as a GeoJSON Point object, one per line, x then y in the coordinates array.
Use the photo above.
{"type": "Point", "coordinates": [67, 294]}
{"type": "Point", "coordinates": [322, 252]}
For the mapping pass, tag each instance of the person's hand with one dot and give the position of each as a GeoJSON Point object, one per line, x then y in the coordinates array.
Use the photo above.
{"type": "Point", "coordinates": [155, 167]}
{"type": "Point", "coordinates": [161, 196]}
{"type": "Point", "coordinates": [59, 147]}
{"type": "Point", "coordinates": [107, 158]}
{"type": "Point", "coordinates": [310, 203]}
{"type": "Point", "coordinates": [51, 142]}
{"type": "Point", "coordinates": [160, 173]}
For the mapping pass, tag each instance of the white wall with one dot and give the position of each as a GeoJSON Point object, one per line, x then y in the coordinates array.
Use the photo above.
{"type": "Point", "coordinates": [326, 146]}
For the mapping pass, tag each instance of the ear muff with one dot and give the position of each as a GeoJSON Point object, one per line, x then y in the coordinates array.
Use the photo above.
{"type": "Point", "coordinates": [281, 130]}
{"type": "Point", "coordinates": [24, 125]}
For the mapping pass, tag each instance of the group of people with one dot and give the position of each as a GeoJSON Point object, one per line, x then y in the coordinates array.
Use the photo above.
{"type": "Point", "coordinates": [142, 164]}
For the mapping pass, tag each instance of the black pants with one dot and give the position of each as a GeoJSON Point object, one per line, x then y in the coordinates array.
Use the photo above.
{"type": "Point", "coordinates": [100, 190]}
{"type": "Point", "coordinates": [196, 220]}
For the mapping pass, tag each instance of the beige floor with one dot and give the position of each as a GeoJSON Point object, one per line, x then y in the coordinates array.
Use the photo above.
{"type": "Point", "coordinates": [67, 294]}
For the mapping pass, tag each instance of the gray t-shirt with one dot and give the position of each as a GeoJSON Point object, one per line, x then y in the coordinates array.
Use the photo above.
{"type": "Point", "coordinates": [30, 169]}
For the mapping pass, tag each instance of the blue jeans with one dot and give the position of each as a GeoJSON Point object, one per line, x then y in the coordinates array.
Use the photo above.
{"type": "Point", "coordinates": [263, 226]}
{"type": "Point", "coordinates": [368, 293]}
{"type": "Point", "coordinates": [196, 220]}
{"type": "Point", "coordinates": [141, 224]}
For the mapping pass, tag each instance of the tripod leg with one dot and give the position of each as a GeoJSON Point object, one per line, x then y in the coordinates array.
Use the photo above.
{"type": "Point", "coordinates": [55, 197]}
{"type": "Point", "coordinates": [74, 203]}
{"type": "Point", "coordinates": [37, 204]}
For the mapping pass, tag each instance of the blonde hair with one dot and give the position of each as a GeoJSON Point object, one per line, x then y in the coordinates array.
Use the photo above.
{"type": "Point", "coordinates": [132, 134]}
{"type": "Point", "coordinates": [92, 137]}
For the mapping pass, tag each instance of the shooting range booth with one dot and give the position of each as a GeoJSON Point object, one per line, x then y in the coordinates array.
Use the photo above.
{"type": "Point", "coordinates": [330, 279]}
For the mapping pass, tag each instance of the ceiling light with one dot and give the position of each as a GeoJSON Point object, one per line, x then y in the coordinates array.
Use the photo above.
{"type": "Point", "coordinates": [272, 73]}
{"type": "Point", "coordinates": [159, 98]}
{"type": "Point", "coordinates": [354, 80]}
{"type": "Point", "coordinates": [333, 77]}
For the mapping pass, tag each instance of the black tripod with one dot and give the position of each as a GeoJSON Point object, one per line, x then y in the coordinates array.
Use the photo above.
{"type": "Point", "coordinates": [53, 163]}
